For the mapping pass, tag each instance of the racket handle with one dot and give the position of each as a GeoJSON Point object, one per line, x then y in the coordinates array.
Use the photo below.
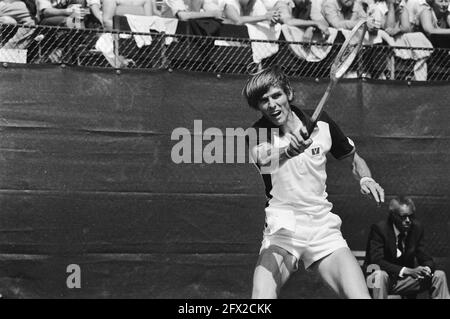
{"type": "Point", "coordinates": [310, 129]}
{"type": "Point", "coordinates": [320, 106]}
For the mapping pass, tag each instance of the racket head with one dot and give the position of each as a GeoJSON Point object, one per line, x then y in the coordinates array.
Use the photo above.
{"type": "Point", "coordinates": [349, 51]}
{"type": "Point", "coordinates": [254, 68]}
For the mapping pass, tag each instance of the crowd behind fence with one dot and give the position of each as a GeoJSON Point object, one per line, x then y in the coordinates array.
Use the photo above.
{"type": "Point", "coordinates": [222, 54]}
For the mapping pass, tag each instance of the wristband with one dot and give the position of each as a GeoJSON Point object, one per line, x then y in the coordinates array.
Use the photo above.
{"type": "Point", "coordinates": [365, 179]}
{"type": "Point", "coordinates": [286, 152]}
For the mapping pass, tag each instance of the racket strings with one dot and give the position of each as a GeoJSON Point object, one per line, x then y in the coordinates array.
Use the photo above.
{"type": "Point", "coordinates": [348, 52]}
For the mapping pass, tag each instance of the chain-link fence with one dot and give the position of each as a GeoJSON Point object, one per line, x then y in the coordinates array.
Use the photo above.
{"type": "Point", "coordinates": [86, 165]}
{"type": "Point", "coordinates": [122, 49]}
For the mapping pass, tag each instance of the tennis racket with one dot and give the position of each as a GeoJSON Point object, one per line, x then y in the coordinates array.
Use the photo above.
{"type": "Point", "coordinates": [341, 63]}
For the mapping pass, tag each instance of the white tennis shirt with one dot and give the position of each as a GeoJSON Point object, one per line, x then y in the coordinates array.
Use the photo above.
{"type": "Point", "coordinates": [300, 183]}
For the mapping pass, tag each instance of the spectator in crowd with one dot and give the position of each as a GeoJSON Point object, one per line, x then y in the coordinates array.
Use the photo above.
{"type": "Point", "coordinates": [298, 13]}
{"type": "Point", "coordinates": [312, 8]}
{"type": "Point", "coordinates": [433, 17]}
{"type": "Point", "coordinates": [343, 14]}
{"type": "Point", "coordinates": [95, 18]}
{"type": "Point", "coordinates": [16, 12]}
{"type": "Point", "coordinates": [391, 16]}
{"type": "Point", "coordinates": [57, 12]}
{"type": "Point", "coordinates": [307, 8]}
{"type": "Point", "coordinates": [413, 7]}
{"type": "Point", "coordinates": [210, 5]}
{"type": "Point", "coordinates": [394, 245]}
{"type": "Point", "coordinates": [316, 10]}
{"type": "Point", "coordinates": [192, 9]}
{"type": "Point", "coordinates": [120, 7]}
{"type": "Point", "coordinates": [31, 6]}
{"type": "Point", "coordinates": [95, 7]}
{"type": "Point", "coordinates": [274, 4]}
{"type": "Point", "coordinates": [248, 11]}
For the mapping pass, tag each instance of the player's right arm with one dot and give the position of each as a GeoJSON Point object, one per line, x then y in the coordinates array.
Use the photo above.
{"type": "Point", "coordinates": [268, 157]}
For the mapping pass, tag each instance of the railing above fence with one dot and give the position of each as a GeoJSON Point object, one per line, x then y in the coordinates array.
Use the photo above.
{"type": "Point", "coordinates": [216, 54]}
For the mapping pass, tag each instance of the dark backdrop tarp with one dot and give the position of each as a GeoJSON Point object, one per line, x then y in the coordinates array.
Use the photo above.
{"type": "Point", "coordinates": [86, 177]}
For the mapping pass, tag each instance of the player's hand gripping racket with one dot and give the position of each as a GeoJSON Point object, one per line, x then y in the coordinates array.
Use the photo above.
{"type": "Point", "coordinates": [341, 63]}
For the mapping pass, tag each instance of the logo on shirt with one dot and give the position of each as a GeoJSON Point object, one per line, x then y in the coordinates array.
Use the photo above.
{"type": "Point", "coordinates": [315, 151]}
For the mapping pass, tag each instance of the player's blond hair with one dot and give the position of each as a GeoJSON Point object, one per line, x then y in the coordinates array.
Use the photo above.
{"type": "Point", "coordinates": [261, 82]}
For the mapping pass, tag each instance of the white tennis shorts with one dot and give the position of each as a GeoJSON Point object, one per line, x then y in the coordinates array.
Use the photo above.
{"type": "Point", "coordinates": [308, 237]}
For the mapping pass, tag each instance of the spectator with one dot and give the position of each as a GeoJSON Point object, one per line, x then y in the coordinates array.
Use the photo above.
{"type": "Point", "coordinates": [95, 7]}
{"type": "Point", "coordinates": [248, 11]}
{"type": "Point", "coordinates": [16, 12]}
{"type": "Point", "coordinates": [316, 10]}
{"type": "Point", "coordinates": [434, 17]}
{"type": "Point", "coordinates": [414, 6]}
{"type": "Point", "coordinates": [31, 6]}
{"type": "Point", "coordinates": [121, 7]}
{"type": "Point", "coordinates": [210, 5]}
{"type": "Point", "coordinates": [298, 13]}
{"type": "Point", "coordinates": [95, 18]}
{"type": "Point", "coordinates": [192, 9]}
{"type": "Point", "coordinates": [391, 16]}
{"type": "Point", "coordinates": [394, 245]}
{"type": "Point", "coordinates": [57, 12]}
{"type": "Point", "coordinates": [343, 14]}
{"type": "Point", "coordinates": [274, 4]}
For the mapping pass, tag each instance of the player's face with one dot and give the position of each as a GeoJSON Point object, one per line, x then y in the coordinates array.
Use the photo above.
{"type": "Point", "coordinates": [275, 105]}
{"type": "Point", "coordinates": [403, 218]}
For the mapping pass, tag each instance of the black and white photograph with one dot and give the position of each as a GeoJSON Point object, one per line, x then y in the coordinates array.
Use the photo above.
{"type": "Point", "coordinates": [224, 153]}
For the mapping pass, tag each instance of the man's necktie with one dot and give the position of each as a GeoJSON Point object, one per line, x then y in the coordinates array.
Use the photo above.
{"type": "Point", "coordinates": [400, 245]}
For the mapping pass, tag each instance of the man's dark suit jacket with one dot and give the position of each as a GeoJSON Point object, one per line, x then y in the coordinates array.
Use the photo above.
{"type": "Point", "coordinates": [382, 250]}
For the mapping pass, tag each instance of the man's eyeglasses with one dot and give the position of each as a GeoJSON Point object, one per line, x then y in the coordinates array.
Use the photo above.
{"type": "Point", "coordinates": [404, 217]}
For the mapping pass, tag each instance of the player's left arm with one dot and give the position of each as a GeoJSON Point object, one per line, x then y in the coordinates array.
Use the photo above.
{"type": "Point", "coordinates": [362, 173]}
{"type": "Point", "coordinates": [343, 148]}
{"type": "Point", "coordinates": [423, 258]}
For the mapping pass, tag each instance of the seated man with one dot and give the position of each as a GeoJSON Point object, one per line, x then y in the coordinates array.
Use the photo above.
{"type": "Point", "coordinates": [191, 9]}
{"type": "Point", "coordinates": [395, 245]}
{"type": "Point", "coordinates": [343, 14]}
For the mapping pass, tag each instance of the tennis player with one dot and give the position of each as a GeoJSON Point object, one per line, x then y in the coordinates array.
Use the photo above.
{"type": "Point", "coordinates": [299, 221]}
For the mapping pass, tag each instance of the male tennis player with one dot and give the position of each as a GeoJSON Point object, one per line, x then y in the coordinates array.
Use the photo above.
{"type": "Point", "coordinates": [299, 222]}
